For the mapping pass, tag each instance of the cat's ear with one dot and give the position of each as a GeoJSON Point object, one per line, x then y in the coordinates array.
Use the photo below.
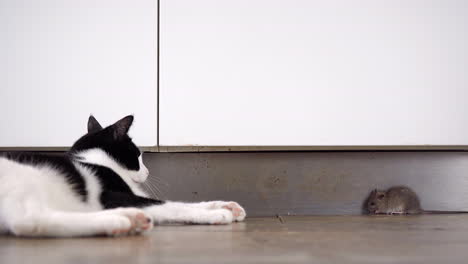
{"type": "Point", "coordinates": [93, 125]}
{"type": "Point", "coordinates": [121, 127]}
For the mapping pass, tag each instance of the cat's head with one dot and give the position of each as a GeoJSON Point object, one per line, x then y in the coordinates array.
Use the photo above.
{"type": "Point", "coordinates": [111, 147]}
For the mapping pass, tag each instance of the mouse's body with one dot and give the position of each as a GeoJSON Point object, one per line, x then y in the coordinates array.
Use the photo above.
{"type": "Point", "coordinates": [395, 200]}
{"type": "Point", "coordinates": [398, 200]}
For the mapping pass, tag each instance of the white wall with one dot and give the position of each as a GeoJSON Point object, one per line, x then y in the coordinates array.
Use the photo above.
{"type": "Point", "coordinates": [61, 60]}
{"type": "Point", "coordinates": [314, 72]}
{"type": "Point", "coordinates": [246, 72]}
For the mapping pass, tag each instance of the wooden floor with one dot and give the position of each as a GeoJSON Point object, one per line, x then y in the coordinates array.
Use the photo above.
{"type": "Point", "coordinates": [319, 239]}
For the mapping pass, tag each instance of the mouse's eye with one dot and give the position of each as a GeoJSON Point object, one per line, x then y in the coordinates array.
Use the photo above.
{"type": "Point", "coordinates": [381, 196]}
{"type": "Point", "coordinates": [372, 204]}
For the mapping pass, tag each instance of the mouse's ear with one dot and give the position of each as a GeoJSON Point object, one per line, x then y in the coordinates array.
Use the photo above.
{"type": "Point", "coordinates": [380, 196]}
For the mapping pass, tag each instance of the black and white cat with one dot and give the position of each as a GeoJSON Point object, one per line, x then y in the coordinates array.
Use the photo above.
{"type": "Point", "coordinates": [93, 189]}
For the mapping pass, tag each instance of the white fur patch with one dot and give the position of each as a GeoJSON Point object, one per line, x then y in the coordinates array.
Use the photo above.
{"type": "Point", "coordinates": [28, 192]}
{"type": "Point", "coordinates": [177, 212]}
{"type": "Point", "coordinates": [213, 212]}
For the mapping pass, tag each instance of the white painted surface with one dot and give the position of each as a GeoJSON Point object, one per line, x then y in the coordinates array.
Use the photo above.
{"type": "Point", "coordinates": [314, 72]}
{"type": "Point", "coordinates": [61, 60]}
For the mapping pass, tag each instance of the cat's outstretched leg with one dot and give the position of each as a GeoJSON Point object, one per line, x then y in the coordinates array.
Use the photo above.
{"type": "Point", "coordinates": [214, 212]}
{"type": "Point", "coordinates": [237, 211]}
{"type": "Point", "coordinates": [196, 213]}
{"type": "Point", "coordinates": [50, 223]}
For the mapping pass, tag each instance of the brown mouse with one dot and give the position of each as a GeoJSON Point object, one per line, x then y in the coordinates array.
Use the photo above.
{"type": "Point", "coordinates": [397, 200]}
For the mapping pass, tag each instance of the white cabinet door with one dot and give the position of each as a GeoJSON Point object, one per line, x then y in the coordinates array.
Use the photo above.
{"type": "Point", "coordinates": [63, 60]}
{"type": "Point", "coordinates": [314, 72]}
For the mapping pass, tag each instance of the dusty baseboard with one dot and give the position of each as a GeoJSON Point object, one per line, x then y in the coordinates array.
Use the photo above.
{"type": "Point", "coordinates": [310, 183]}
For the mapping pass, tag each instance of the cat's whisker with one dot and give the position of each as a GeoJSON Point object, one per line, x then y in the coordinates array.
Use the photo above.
{"type": "Point", "coordinates": [160, 192]}
{"type": "Point", "coordinates": [159, 195]}
{"type": "Point", "coordinates": [159, 180]}
{"type": "Point", "coordinates": [157, 191]}
{"type": "Point", "coordinates": [155, 186]}
{"type": "Point", "coordinates": [148, 187]}
{"type": "Point", "coordinates": [162, 188]}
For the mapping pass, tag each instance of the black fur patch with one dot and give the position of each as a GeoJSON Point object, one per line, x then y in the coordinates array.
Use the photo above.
{"type": "Point", "coordinates": [122, 150]}
{"type": "Point", "coordinates": [115, 199]}
{"type": "Point", "coordinates": [116, 192]}
{"type": "Point", "coordinates": [60, 162]}
{"type": "Point", "coordinates": [109, 180]}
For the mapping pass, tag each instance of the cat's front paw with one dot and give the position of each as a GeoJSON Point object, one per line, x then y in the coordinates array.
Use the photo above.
{"type": "Point", "coordinates": [128, 221]}
{"type": "Point", "coordinates": [237, 211]}
{"type": "Point", "coordinates": [220, 217]}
